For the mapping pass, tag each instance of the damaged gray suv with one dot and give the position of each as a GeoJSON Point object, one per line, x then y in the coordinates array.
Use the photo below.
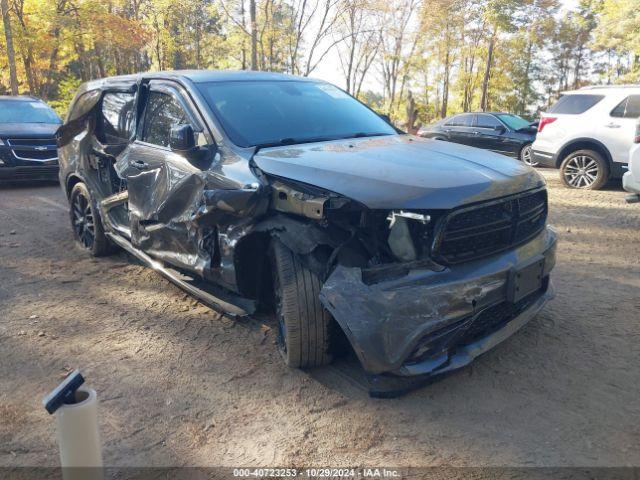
{"type": "Point", "coordinates": [259, 191]}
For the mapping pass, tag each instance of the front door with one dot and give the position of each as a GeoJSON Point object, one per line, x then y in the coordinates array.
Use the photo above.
{"type": "Point", "coordinates": [163, 184]}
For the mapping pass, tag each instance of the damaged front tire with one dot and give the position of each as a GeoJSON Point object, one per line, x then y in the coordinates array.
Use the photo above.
{"type": "Point", "coordinates": [304, 326]}
{"type": "Point", "coordinates": [86, 223]}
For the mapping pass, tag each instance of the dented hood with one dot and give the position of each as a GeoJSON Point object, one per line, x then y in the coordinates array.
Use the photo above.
{"type": "Point", "coordinates": [400, 171]}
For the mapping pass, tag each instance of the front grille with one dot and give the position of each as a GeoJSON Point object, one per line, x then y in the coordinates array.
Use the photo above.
{"type": "Point", "coordinates": [488, 228]}
{"type": "Point", "coordinates": [32, 142]}
{"type": "Point", "coordinates": [50, 171]}
{"type": "Point", "coordinates": [35, 154]}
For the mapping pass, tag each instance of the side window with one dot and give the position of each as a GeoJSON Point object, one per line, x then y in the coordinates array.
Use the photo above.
{"type": "Point", "coordinates": [162, 113]}
{"type": "Point", "coordinates": [628, 108]}
{"type": "Point", "coordinates": [575, 103]}
{"type": "Point", "coordinates": [465, 120]}
{"type": "Point", "coordinates": [487, 121]}
{"type": "Point", "coordinates": [452, 122]}
{"type": "Point", "coordinates": [118, 117]}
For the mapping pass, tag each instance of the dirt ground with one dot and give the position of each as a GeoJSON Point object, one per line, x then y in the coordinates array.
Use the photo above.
{"type": "Point", "coordinates": [181, 385]}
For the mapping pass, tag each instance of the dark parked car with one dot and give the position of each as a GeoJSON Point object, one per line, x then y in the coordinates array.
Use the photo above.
{"type": "Point", "coordinates": [27, 139]}
{"type": "Point", "coordinates": [264, 191]}
{"type": "Point", "coordinates": [503, 133]}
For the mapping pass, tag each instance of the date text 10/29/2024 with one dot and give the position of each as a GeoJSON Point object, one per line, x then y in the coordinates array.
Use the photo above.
{"type": "Point", "coordinates": [373, 472]}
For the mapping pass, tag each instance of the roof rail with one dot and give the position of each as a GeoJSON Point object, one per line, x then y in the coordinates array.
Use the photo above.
{"type": "Point", "coordinates": [595, 87]}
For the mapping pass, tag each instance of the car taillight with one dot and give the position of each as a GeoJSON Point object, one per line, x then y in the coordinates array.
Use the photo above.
{"type": "Point", "coordinates": [637, 139]}
{"type": "Point", "coordinates": [545, 121]}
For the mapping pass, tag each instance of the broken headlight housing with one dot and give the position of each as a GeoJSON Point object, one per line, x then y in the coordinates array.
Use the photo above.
{"type": "Point", "coordinates": [409, 234]}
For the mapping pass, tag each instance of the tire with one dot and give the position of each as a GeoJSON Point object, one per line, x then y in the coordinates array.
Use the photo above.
{"type": "Point", "coordinates": [86, 224]}
{"type": "Point", "coordinates": [525, 156]}
{"type": "Point", "coordinates": [584, 169]}
{"type": "Point", "coordinates": [304, 326]}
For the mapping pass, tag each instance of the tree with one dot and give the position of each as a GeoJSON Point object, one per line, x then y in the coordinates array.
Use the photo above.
{"type": "Point", "coordinates": [11, 54]}
{"type": "Point", "coordinates": [254, 34]}
{"type": "Point", "coordinates": [499, 17]}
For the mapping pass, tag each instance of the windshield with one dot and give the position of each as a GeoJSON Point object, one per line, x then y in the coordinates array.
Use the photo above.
{"type": "Point", "coordinates": [21, 111]}
{"type": "Point", "coordinates": [514, 122]}
{"type": "Point", "coordinates": [264, 113]}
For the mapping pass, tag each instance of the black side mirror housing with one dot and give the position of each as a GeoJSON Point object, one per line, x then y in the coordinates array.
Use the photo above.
{"type": "Point", "coordinates": [182, 139]}
{"type": "Point", "coordinates": [500, 128]}
{"type": "Point", "coordinates": [385, 117]}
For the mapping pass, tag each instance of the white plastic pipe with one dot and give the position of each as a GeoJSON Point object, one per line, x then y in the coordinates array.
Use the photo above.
{"type": "Point", "coordinates": [79, 438]}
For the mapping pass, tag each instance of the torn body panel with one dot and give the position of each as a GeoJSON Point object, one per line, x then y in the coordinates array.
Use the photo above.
{"type": "Point", "coordinates": [386, 321]}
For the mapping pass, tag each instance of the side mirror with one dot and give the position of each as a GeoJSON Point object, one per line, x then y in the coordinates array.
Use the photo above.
{"type": "Point", "coordinates": [182, 139]}
{"type": "Point", "coordinates": [500, 128]}
{"type": "Point", "coordinates": [385, 117]}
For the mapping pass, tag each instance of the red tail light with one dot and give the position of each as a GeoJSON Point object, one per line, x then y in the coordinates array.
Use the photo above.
{"type": "Point", "coordinates": [637, 139]}
{"type": "Point", "coordinates": [545, 121]}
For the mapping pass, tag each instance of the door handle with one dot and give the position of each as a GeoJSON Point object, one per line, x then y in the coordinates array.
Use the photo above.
{"type": "Point", "coordinates": [476, 133]}
{"type": "Point", "coordinates": [140, 165]}
{"type": "Point", "coordinates": [612, 125]}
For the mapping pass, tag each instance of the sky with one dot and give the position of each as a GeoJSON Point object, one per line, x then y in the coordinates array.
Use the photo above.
{"type": "Point", "coordinates": [330, 69]}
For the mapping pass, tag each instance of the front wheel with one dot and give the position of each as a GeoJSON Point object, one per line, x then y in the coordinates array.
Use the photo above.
{"type": "Point", "coordinates": [584, 169]}
{"type": "Point", "coordinates": [526, 156]}
{"type": "Point", "coordinates": [304, 326]}
{"type": "Point", "coordinates": [86, 224]}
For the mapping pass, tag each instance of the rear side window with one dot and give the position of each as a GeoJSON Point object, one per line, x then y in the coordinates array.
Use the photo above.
{"type": "Point", "coordinates": [461, 120]}
{"type": "Point", "coordinates": [487, 121]}
{"type": "Point", "coordinates": [628, 108]}
{"type": "Point", "coordinates": [575, 104]}
{"type": "Point", "coordinates": [118, 117]}
{"type": "Point", "coordinates": [163, 112]}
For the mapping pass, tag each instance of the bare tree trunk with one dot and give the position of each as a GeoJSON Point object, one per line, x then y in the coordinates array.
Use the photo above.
{"type": "Point", "coordinates": [484, 101]}
{"type": "Point", "coordinates": [412, 113]}
{"type": "Point", "coordinates": [244, 43]}
{"type": "Point", "coordinates": [11, 54]}
{"type": "Point", "coordinates": [254, 35]}
{"type": "Point", "coordinates": [445, 83]}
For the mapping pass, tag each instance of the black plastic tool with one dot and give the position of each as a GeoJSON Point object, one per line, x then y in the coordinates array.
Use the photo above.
{"type": "Point", "coordinates": [64, 394]}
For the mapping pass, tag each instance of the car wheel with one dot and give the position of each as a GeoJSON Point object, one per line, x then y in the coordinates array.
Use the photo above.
{"type": "Point", "coordinates": [86, 224]}
{"type": "Point", "coordinates": [584, 169]}
{"type": "Point", "coordinates": [526, 156]}
{"type": "Point", "coordinates": [303, 324]}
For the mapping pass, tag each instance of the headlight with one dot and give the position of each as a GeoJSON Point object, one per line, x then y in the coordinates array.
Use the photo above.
{"type": "Point", "coordinates": [400, 239]}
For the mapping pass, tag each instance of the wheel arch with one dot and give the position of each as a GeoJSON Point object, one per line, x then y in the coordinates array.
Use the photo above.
{"type": "Point", "coordinates": [584, 143]}
{"type": "Point", "coordinates": [251, 253]}
{"type": "Point", "coordinates": [72, 180]}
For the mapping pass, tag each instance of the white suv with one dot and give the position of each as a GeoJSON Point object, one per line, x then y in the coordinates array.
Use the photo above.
{"type": "Point", "coordinates": [631, 179]}
{"type": "Point", "coordinates": [587, 134]}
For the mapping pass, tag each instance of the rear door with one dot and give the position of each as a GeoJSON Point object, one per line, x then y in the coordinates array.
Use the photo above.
{"type": "Point", "coordinates": [489, 133]}
{"type": "Point", "coordinates": [459, 128]}
{"type": "Point", "coordinates": [620, 126]}
{"type": "Point", "coordinates": [163, 184]}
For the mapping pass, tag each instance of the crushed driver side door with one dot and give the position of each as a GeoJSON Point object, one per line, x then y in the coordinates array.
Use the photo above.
{"type": "Point", "coordinates": [164, 186]}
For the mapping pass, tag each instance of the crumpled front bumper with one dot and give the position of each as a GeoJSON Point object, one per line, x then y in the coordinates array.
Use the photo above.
{"type": "Point", "coordinates": [387, 322]}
